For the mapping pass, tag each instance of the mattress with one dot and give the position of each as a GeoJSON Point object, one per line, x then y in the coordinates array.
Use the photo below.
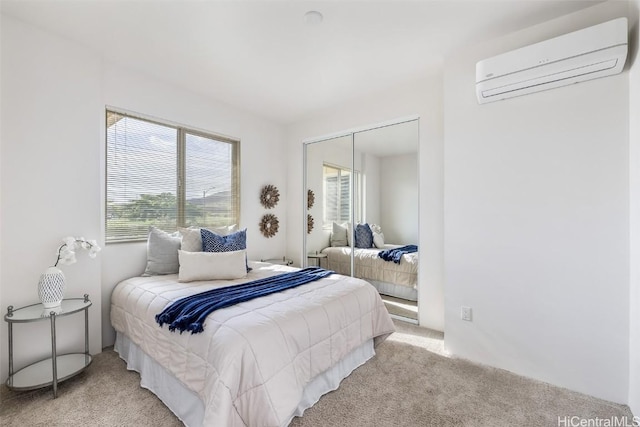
{"type": "Point", "coordinates": [254, 361]}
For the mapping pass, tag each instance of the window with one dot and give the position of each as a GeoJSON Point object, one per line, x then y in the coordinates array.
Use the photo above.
{"type": "Point", "coordinates": [167, 176]}
{"type": "Point", "coordinates": [337, 194]}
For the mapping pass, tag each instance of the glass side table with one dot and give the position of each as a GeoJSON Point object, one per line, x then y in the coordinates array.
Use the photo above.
{"type": "Point", "coordinates": [316, 259]}
{"type": "Point", "coordinates": [56, 368]}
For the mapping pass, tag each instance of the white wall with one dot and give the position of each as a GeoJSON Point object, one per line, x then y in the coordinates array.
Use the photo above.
{"type": "Point", "coordinates": [536, 222]}
{"type": "Point", "coordinates": [634, 197]}
{"type": "Point", "coordinates": [50, 183]}
{"type": "Point", "coordinates": [372, 189]}
{"type": "Point", "coordinates": [399, 204]}
{"type": "Point", "coordinates": [420, 97]}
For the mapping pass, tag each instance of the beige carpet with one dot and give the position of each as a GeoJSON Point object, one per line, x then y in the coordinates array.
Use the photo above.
{"type": "Point", "coordinates": [408, 383]}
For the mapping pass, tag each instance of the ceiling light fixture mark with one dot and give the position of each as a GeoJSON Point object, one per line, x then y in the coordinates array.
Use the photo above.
{"type": "Point", "coordinates": [313, 17]}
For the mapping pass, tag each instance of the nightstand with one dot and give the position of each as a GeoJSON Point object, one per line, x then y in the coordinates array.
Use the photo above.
{"type": "Point", "coordinates": [316, 259]}
{"type": "Point", "coordinates": [56, 368]}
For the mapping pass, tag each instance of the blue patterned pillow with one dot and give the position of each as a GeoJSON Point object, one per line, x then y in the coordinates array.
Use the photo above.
{"type": "Point", "coordinates": [212, 242]}
{"type": "Point", "coordinates": [364, 236]}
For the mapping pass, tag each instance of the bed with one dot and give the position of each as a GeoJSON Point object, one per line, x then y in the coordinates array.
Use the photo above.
{"type": "Point", "coordinates": [257, 363]}
{"type": "Point", "coordinates": [397, 280]}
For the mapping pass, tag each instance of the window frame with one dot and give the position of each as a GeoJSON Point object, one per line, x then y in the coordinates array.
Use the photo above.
{"type": "Point", "coordinates": [181, 167]}
{"type": "Point", "coordinates": [354, 204]}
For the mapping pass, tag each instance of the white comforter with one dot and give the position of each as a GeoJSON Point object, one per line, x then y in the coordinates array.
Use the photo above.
{"type": "Point", "coordinates": [253, 360]}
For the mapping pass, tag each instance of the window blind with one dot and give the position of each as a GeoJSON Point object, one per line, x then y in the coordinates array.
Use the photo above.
{"type": "Point", "coordinates": [211, 190]}
{"type": "Point", "coordinates": [167, 176]}
{"type": "Point", "coordinates": [337, 194]}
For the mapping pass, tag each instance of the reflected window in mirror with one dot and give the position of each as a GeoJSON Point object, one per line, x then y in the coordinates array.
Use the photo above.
{"type": "Point", "coordinates": [337, 195]}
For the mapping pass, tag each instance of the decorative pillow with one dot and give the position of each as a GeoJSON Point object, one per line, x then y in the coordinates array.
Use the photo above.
{"type": "Point", "coordinates": [339, 235]}
{"type": "Point", "coordinates": [212, 242]}
{"type": "Point", "coordinates": [192, 240]}
{"type": "Point", "coordinates": [363, 236]}
{"type": "Point", "coordinates": [211, 265]}
{"type": "Point", "coordinates": [162, 252]}
{"type": "Point", "coordinates": [350, 233]}
{"type": "Point", "coordinates": [378, 236]}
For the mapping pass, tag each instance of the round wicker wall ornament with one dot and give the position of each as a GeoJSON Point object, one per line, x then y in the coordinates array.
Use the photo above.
{"type": "Point", "coordinates": [309, 223]}
{"type": "Point", "coordinates": [269, 225]}
{"type": "Point", "coordinates": [311, 199]}
{"type": "Point", "coordinates": [269, 196]}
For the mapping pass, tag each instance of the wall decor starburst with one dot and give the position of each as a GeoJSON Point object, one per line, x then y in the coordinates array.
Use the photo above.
{"type": "Point", "coordinates": [269, 196]}
{"type": "Point", "coordinates": [311, 199]}
{"type": "Point", "coordinates": [309, 223]}
{"type": "Point", "coordinates": [269, 225]}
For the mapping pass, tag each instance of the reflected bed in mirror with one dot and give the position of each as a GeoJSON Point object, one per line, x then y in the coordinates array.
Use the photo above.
{"type": "Point", "coordinates": [394, 275]}
{"type": "Point", "coordinates": [370, 177]}
{"type": "Point", "coordinates": [398, 279]}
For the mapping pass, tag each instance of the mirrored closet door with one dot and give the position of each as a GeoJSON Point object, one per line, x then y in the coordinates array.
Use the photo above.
{"type": "Point", "coordinates": [362, 201]}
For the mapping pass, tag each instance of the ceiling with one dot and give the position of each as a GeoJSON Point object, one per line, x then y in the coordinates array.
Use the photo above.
{"type": "Point", "coordinates": [261, 56]}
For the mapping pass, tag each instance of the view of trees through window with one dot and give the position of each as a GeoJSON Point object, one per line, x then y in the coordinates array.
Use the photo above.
{"type": "Point", "coordinates": [167, 176]}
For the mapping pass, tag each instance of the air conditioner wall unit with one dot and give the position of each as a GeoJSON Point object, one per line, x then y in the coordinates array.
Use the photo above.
{"type": "Point", "coordinates": [585, 54]}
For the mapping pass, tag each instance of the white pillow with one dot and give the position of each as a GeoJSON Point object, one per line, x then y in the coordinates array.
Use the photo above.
{"type": "Point", "coordinates": [349, 232]}
{"type": "Point", "coordinates": [162, 252]}
{"type": "Point", "coordinates": [192, 240]}
{"type": "Point", "coordinates": [339, 235]}
{"type": "Point", "coordinates": [378, 236]}
{"type": "Point", "coordinates": [211, 265]}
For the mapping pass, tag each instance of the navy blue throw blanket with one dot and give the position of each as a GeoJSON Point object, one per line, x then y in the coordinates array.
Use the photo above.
{"type": "Point", "coordinates": [395, 255]}
{"type": "Point", "coordinates": [189, 313]}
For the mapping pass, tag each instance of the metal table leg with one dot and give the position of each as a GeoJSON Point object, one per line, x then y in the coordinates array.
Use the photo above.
{"type": "Point", "coordinates": [86, 326]}
{"type": "Point", "coordinates": [54, 360]}
{"type": "Point", "coordinates": [10, 324]}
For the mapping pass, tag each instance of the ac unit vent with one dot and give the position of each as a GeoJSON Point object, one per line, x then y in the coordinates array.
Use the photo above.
{"type": "Point", "coordinates": [586, 54]}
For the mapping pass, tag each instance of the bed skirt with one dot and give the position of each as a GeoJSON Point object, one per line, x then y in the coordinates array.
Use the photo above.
{"type": "Point", "coordinates": [188, 406]}
{"type": "Point", "coordinates": [394, 290]}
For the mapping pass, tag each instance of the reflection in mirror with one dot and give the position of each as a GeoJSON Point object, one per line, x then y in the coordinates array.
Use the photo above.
{"type": "Point", "coordinates": [328, 175]}
{"type": "Point", "coordinates": [389, 164]}
{"type": "Point", "coordinates": [369, 179]}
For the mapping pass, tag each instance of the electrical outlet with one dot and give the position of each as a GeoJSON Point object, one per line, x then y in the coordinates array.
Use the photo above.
{"type": "Point", "coordinates": [465, 313]}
